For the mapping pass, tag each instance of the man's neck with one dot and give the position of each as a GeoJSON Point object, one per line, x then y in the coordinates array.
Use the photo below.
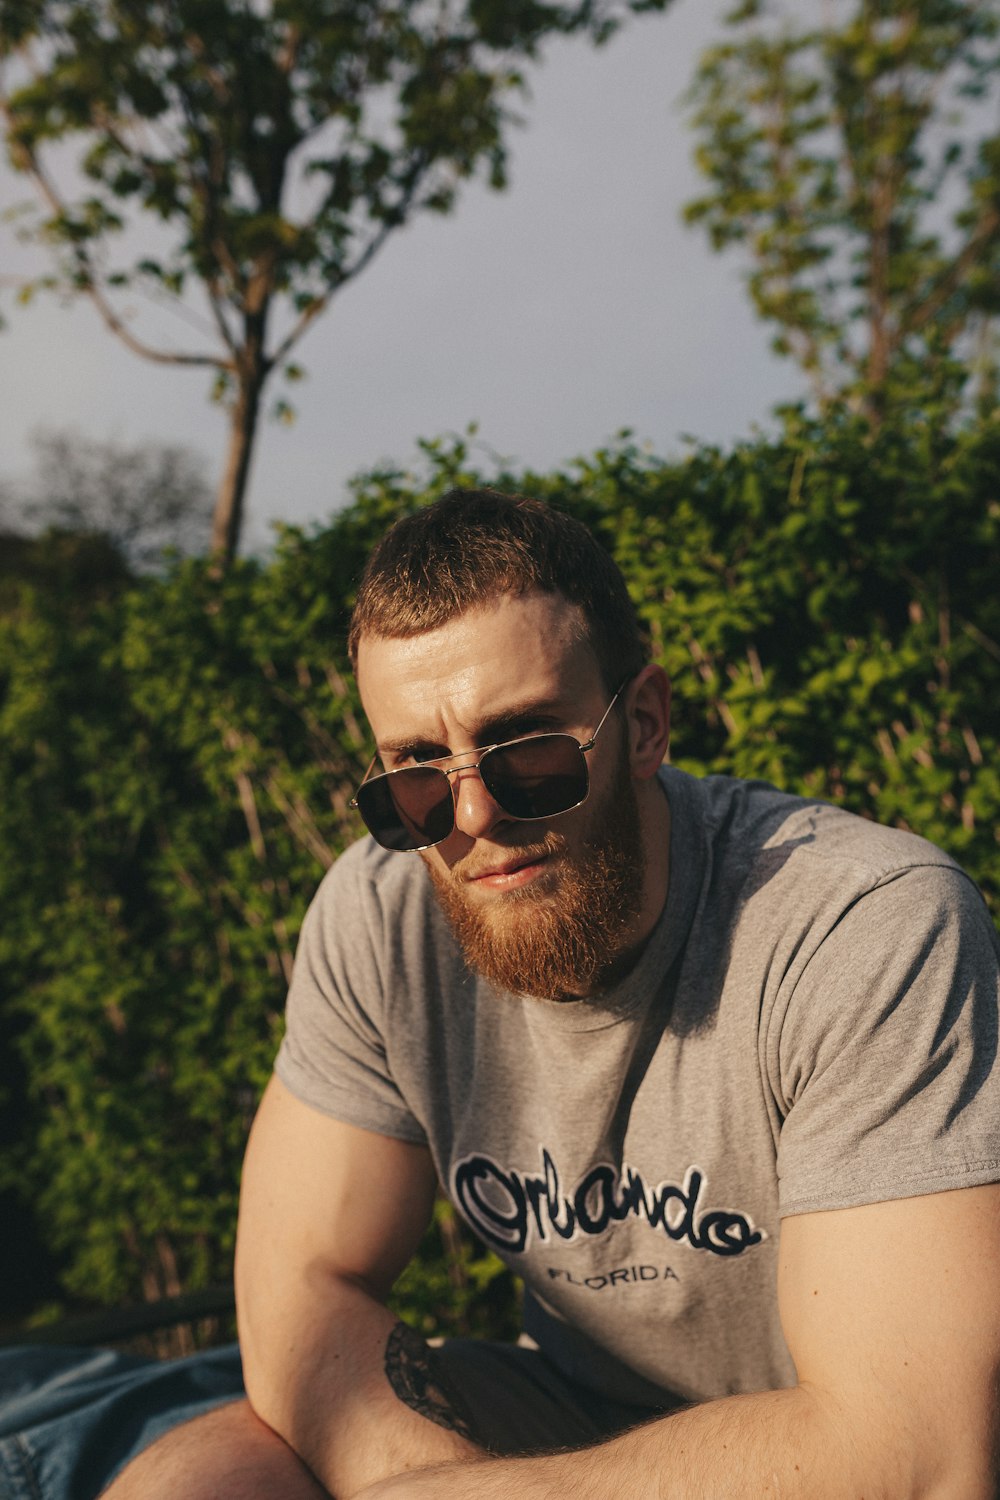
{"type": "Point", "coordinates": [654, 814]}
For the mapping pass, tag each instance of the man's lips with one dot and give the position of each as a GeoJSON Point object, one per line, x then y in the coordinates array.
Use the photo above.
{"type": "Point", "coordinates": [506, 870]}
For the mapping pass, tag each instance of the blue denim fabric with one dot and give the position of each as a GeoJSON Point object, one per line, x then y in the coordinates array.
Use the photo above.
{"type": "Point", "coordinates": [71, 1418]}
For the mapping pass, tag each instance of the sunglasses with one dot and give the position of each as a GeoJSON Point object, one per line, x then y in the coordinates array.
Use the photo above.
{"type": "Point", "coordinates": [538, 776]}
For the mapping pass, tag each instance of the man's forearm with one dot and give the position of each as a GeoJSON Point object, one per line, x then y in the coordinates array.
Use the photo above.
{"type": "Point", "coordinates": [357, 1395]}
{"type": "Point", "coordinates": [792, 1444]}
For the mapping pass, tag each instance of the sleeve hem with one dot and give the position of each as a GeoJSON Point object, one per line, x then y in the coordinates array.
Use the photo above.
{"type": "Point", "coordinates": [912, 1185]}
{"type": "Point", "coordinates": [354, 1109]}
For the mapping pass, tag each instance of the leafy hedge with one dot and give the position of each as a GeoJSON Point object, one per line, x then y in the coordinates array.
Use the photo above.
{"type": "Point", "coordinates": [177, 755]}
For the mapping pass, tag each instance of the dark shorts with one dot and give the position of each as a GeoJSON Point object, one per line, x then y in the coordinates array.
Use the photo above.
{"type": "Point", "coordinates": [70, 1419]}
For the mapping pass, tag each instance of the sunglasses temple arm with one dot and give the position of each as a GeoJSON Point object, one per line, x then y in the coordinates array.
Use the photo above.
{"type": "Point", "coordinates": [590, 743]}
{"type": "Point", "coordinates": [354, 800]}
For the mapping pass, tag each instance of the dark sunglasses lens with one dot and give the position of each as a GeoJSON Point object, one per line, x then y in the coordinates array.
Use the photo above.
{"type": "Point", "coordinates": [408, 809]}
{"type": "Point", "coordinates": [537, 777]}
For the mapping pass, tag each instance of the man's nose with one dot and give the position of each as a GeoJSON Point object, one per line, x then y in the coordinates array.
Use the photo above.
{"type": "Point", "coordinates": [476, 812]}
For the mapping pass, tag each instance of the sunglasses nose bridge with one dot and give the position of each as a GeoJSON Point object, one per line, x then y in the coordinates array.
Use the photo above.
{"type": "Point", "coordinates": [476, 809]}
{"type": "Point", "coordinates": [466, 765]}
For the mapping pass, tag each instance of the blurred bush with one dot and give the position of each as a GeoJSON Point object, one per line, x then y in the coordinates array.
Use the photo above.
{"type": "Point", "coordinates": [177, 754]}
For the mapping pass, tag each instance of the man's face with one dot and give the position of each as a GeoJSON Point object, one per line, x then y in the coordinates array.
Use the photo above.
{"type": "Point", "coordinates": [543, 907]}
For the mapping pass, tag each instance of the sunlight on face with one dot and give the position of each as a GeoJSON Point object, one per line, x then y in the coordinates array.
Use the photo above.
{"type": "Point", "coordinates": [540, 907]}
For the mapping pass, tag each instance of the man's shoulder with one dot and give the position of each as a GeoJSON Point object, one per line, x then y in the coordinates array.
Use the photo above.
{"type": "Point", "coordinates": [365, 867]}
{"type": "Point", "coordinates": [749, 820]}
{"type": "Point", "coordinates": [370, 889]}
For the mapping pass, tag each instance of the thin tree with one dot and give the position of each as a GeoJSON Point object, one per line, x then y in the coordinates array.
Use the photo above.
{"type": "Point", "coordinates": [856, 162]}
{"type": "Point", "coordinates": [275, 145]}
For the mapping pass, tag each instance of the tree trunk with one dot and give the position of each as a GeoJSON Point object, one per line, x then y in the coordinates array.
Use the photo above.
{"type": "Point", "coordinates": [227, 520]}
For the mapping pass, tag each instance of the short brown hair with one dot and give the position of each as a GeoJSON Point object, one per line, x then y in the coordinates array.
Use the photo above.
{"type": "Point", "coordinates": [472, 547]}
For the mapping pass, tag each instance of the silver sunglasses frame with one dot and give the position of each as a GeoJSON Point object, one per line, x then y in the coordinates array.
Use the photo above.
{"type": "Point", "coordinates": [449, 771]}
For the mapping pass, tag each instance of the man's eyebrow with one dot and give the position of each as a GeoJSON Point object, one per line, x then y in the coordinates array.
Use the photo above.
{"type": "Point", "coordinates": [516, 720]}
{"type": "Point", "coordinates": [521, 720]}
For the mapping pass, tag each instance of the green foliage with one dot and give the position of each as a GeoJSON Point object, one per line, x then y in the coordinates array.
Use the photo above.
{"type": "Point", "coordinates": [177, 756]}
{"type": "Point", "coordinates": [176, 763]}
{"type": "Point", "coordinates": [855, 162]}
{"type": "Point", "coordinates": [454, 1287]}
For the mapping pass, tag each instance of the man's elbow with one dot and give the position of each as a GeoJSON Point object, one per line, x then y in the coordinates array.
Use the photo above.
{"type": "Point", "coordinates": [961, 1466]}
{"type": "Point", "coordinates": [263, 1390]}
{"type": "Point", "coordinates": [889, 1450]}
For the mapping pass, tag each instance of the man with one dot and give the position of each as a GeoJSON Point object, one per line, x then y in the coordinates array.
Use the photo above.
{"type": "Point", "coordinates": [713, 1068]}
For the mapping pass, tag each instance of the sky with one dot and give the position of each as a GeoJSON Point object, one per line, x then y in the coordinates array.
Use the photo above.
{"type": "Point", "coordinates": [552, 315]}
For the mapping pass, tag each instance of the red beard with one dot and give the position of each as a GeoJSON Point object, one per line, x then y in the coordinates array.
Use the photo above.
{"type": "Point", "coordinates": [559, 937]}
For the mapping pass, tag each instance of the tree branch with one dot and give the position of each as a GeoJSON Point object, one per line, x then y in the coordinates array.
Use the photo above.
{"type": "Point", "coordinates": [217, 304]}
{"type": "Point", "coordinates": [27, 161]}
{"type": "Point", "coordinates": [300, 822]}
{"type": "Point", "coordinates": [963, 263]}
{"type": "Point", "coordinates": [118, 327]}
{"type": "Point", "coordinates": [320, 304]}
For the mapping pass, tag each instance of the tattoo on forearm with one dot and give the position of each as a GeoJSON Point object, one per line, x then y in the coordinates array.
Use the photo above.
{"type": "Point", "coordinates": [416, 1374]}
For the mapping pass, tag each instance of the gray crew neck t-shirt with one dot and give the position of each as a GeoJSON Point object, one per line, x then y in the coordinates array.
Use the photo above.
{"type": "Point", "coordinates": [811, 1025]}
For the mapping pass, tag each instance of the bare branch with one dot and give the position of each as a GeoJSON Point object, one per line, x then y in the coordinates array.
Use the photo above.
{"type": "Point", "coordinates": [217, 303]}
{"type": "Point", "coordinates": [301, 823]}
{"type": "Point", "coordinates": [991, 647]}
{"type": "Point", "coordinates": [334, 754]}
{"type": "Point", "coordinates": [117, 325]}
{"type": "Point", "coordinates": [338, 688]}
{"type": "Point", "coordinates": [105, 124]}
{"type": "Point", "coordinates": [320, 304]}
{"type": "Point", "coordinates": [987, 229]}
{"type": "Point", "coordinates": [28, 162]}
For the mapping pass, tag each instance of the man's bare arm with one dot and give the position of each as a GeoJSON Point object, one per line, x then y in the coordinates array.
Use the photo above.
{"type": "Point", "coordinates": [892, 1314]}
{"type": "Point", "coordinates": [329, 1216]}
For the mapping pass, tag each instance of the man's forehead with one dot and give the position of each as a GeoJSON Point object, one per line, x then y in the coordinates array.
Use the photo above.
{"type": "Point", "coordinates": [544, 623]}
{"type": "Point", "coordinates": [522, 651]}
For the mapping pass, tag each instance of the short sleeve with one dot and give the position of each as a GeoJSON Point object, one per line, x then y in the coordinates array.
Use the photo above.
{"type": "Point", "coordinates": [333, 1056]}
{"type": "Point", "coordinates": [886, 1064]}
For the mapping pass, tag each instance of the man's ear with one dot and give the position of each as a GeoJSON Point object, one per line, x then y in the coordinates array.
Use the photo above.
{"type": "Point", "coordinates": [647, 706]}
